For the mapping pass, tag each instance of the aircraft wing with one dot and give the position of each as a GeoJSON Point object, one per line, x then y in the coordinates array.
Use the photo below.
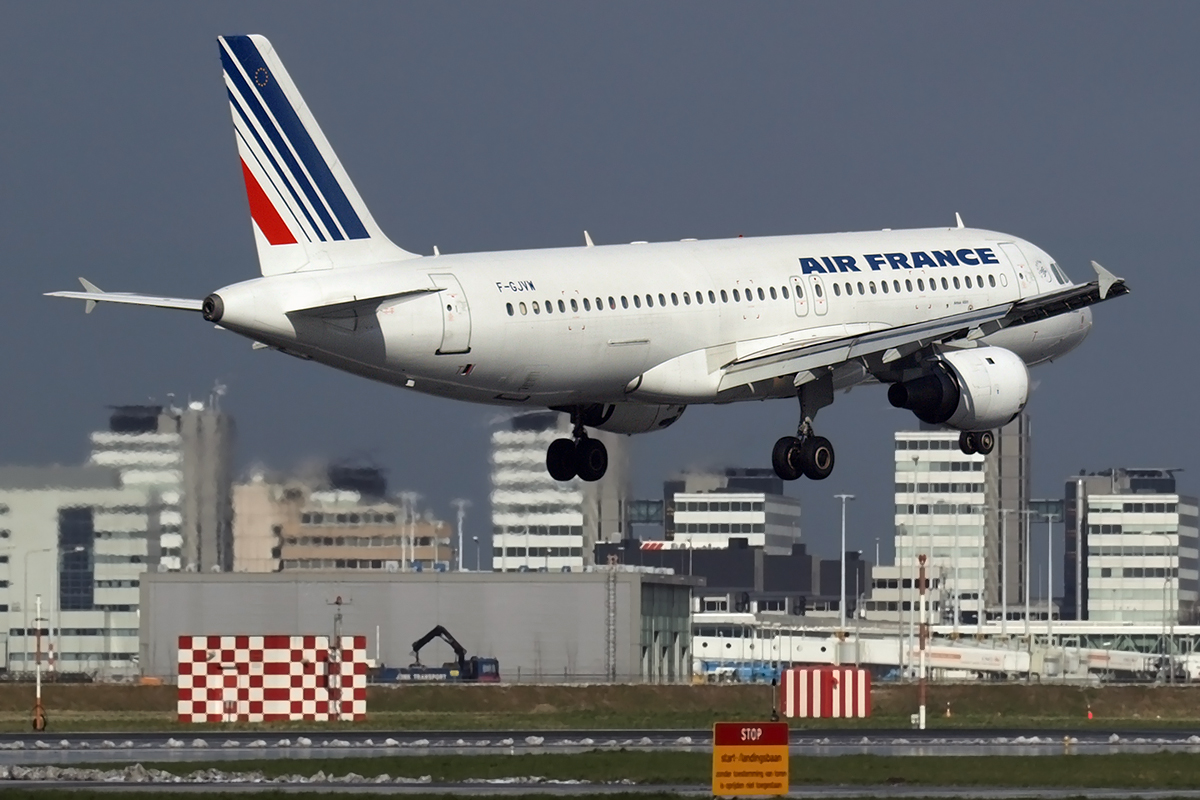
{"type": "Point", "coordinates": [93, 294]}
{"type": "Point", "coordinates": [892, 344]}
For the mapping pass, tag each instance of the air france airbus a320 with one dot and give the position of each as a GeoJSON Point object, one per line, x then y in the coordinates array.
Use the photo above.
{"type": "Point", "coordinates": [624, 337]}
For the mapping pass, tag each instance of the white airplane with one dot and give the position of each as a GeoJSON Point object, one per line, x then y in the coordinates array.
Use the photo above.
{"type": "Point", "coordinates": [624, 337]}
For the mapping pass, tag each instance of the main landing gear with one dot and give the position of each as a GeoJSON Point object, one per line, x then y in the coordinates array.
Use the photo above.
{"type": "Point", "coordinates": [806, 453]}
{"type": "Point", "coordinates": [981, 442]}
{"type": "Point", "coordinates": [579, 455]}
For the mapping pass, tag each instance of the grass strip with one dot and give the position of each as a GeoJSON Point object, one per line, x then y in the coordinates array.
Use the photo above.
{"type": "Point", "coordinates": [1134, 771]}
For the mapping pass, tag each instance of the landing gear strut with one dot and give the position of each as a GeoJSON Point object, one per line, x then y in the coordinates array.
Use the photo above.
{"type": "Point", "coordinates": [806, 453]}
{"type": "Point", "coordinates": [579, 455]}
{"type": "Point", "coordinates": [982, 442]}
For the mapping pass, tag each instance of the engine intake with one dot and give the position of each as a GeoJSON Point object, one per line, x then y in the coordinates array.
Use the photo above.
{"type": "Point", "coordinates": [970, 390]}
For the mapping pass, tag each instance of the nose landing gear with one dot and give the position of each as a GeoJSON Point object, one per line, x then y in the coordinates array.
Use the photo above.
{"type": "Point", "coordinates": [806, 453]}
{"type": "Point", "coordinates": [579, 455]}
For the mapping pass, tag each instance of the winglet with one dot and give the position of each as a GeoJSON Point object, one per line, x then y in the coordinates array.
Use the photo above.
{"type": "Point", "coordinates": [1105, 278]}
{"type": "Point", "coordinates": [587, 239]}
{"type": "Point", "coordinates": [958, 220]}
{"type": "Point", "coordinates": [90, 288]}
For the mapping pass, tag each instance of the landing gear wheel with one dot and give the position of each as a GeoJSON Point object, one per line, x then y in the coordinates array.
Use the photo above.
{"type": "Point", "coordinates": [785, 458]}
{"type": "Point", "coordinates": [984, 442]}
{"type": "Point", "coordinates": [816, 456]}
{"type": "Point", "coordinates": [968, 442]}
{"type": "Point", "coordinates": [591, 459]}
{"type": "Point", "coordinates": [560, 460]}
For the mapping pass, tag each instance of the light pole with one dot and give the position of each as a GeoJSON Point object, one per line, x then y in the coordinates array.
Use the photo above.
{"type": "Point", "coordinates": [1026, 512]}
{"type": "Point", "coordinates": [1050, 520]}
{"type": "Point", "coordinates": [912, 549]}
{"type": "Point", "coordinates": [475, 539]}
{"type": "Point", "coordinates": [25, 606]}
{"type": "Point", "coordinates": [1004, 512]}
{"type": "Point", "coordinates": [842, 560]}
{"type": "Point", "coordinates": [957, 589]}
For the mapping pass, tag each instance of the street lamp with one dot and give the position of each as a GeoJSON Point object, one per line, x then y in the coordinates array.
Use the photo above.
{"type": "Point", "coordinates": [842, 559]}
{"type": "Point", "coordinates": [1050, 520]}
{"type": "Point", "coordinates": [1026, 512]}
{"type": "Point", "coordinates": [25, 607]}
{"type": "Point", "coordinates": [475, 539]}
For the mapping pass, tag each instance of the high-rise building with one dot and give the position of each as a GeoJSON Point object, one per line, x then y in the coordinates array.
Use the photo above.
{"type": "Point", "coordinates": [76, 537]}
{"type": "Point", "coordinates": [184, 457]}
{"type": "Point", "coordinates": [1132, 548]}
{"type": "Point", "coordinates": [539, 523]}
{"type": "Point", "coordinates": [967, 514]}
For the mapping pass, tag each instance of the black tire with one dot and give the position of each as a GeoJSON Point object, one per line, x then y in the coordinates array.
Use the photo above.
{"type": "Point", "coordinates": [816, 454]}
{"type": "Point", "coordinates": [591, 459]}
{"type": "Point", "coordinates": [985, 442]}
{"type": "Point", "coordinates": [560, 459]}
{"type": "Point", "coordinates": [785, 458]}
{"type": "Point", "coordinates": [967, 443]}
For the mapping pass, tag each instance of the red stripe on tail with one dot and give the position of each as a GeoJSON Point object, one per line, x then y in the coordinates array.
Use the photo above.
{"type": "Point", "coordinates": [262, 210]}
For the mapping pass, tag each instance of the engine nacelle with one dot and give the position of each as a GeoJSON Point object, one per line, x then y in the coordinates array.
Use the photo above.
{"type": "Point", "coordinates": [971, 390]}
{"type": "Point", "coordinates": [630, 417]}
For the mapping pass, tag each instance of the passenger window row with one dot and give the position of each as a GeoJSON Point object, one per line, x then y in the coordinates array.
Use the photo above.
{"type": "Point", "coordinates": [650, 300]}
{"type": "Point", "coordinates": [907, 286]}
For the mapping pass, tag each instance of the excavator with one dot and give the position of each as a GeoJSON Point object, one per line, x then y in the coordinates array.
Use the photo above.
{"type": "Point", "coordinates": [465, 668]}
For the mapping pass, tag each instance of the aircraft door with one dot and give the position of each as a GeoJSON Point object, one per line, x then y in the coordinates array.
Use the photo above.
{"type": "Point", "coordinates": [800, 296]}
{"type": "Point", "coordinates": [456, 315]}
{"type": "Point", "coordinates": [1021, 266]}
{"type": "Point", "coordinates": [816, 287]}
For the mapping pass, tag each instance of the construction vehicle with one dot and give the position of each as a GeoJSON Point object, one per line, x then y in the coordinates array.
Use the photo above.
{"type": "Point", "coordinates": [464, 668]}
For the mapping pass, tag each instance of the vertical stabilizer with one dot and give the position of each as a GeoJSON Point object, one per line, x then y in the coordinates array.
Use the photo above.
{"type": "Point", "coordinates": [307, 214]}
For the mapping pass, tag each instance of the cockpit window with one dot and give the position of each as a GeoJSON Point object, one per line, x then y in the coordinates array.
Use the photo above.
{"type": "Point", "coordinates": [1058, 273]}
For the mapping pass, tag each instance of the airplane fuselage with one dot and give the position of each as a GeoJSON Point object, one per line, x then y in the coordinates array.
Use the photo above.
{"type": "Point", "coordinates": [644, 322]}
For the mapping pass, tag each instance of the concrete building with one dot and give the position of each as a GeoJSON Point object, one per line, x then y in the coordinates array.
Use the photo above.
{"type": "Point", "coordinates": [710, 520]}
{"type": "Point", "coordinates": [78, 538]}
{"type": "Point", "coordinates": [538, 523]}
{"type": "Point", "coordinates": [1132, 548]}
{"type": "Point", "coordinates": [185, 458]}
{"type": "Point", "coordinates": [743, 578]}
{"type": "Point", "coordinates": [343, 521]}
{"type": "Point", "coordinates": [968, 513]}
{"type": "Point", "coordinates": [602, 625]}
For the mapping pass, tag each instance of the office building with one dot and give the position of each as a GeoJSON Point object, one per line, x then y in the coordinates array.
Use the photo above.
{"type": "Point", "coordinates": [78, 538]}
{"type": "Point", "coordinates": [967, 513]}
{"type": "Point", "coordinates": [743, 578]}
{"type": "Point", "coordinates": [710, 519]}
{"type": "Point", "coordinates": [341, 521]}
{"type": "Point", "coordinates": [184, 457]}
{"type": "Point", "coordinates": [1132, 548]}
{"type": "Point", "coordinates": [538, 523]}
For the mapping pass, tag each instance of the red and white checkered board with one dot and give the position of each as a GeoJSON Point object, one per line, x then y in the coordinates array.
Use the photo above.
{"type": "Point", "coordinates": [271, 678]}
{"type": "Point", "coordinates": [826, 692]}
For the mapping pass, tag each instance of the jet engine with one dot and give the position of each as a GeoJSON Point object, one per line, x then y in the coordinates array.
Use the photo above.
{"type": "Point", "coordinates": [630, 417]}
{"type": "Point", "coordinates": [970, 390]}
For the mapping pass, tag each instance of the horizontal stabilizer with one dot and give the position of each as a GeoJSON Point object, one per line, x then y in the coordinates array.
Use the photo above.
{"type": "Point", "coordinates": [95, 295]}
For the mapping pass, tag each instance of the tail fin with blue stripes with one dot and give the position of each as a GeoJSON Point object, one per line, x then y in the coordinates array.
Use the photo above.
{"type": "Point", "coordinates": [307, 214]}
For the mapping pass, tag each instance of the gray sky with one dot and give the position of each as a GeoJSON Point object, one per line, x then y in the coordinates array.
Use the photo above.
{"type": "Point", "coordinates": [478, 126]}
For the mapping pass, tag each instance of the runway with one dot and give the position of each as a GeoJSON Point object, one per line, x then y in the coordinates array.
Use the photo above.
{"type": "Point", "coordinates": [181, 748]}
